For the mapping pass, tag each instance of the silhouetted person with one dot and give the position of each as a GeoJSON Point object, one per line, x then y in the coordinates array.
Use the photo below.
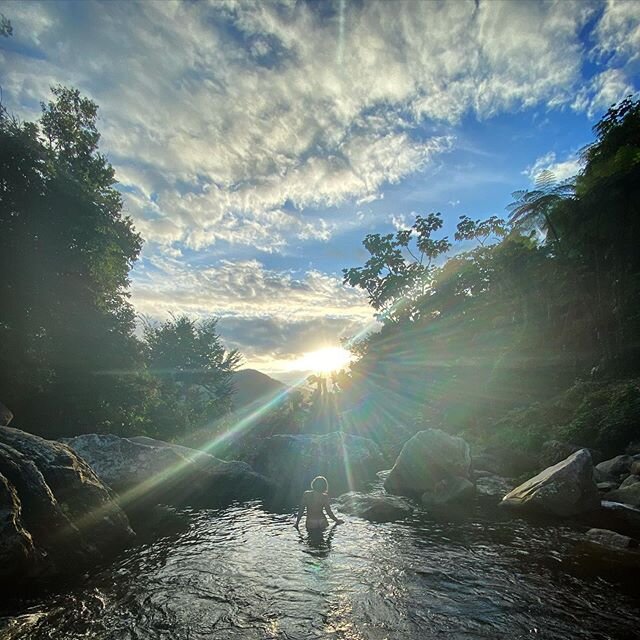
{"type": "Point", "coordinates": [316, 503]}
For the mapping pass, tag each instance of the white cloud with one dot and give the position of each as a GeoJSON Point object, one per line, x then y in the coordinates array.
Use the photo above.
{"type": "Point", "coordinates": [227, 111]}
{"type": "Point", "coordinates": [561, 169]}
{"type": "Point", "coordinates": [604, 90]}
{"type": "Point", "coordinates": [618, 31]}
{"type": "Point", "coordinates": [242, 289]}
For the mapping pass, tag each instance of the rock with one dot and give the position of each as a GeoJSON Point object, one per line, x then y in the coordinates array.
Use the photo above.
{"type": "Point", "coordinates": [148, 472]}
{"type": "Point", "coordinates": [384, 474]}
{"type": "Point", "coordinates": [292, 461]}
{"type": "Point", "coordinates": [494, 487]}
{"type": "Point", "coordinates": [56, 516]}
{"type": "Point", "coordinates": [618, 467]}
{"type": "Point", "coordinates": [426, 460]}
{"type": "Point", "coordinates": [628, 495]}
{"type": "Point", "coordinates": [635, 467]}
{"type": "Point", "coordinates": [607, 485]}
{"type": "Point", "coordinates": [619, 517]}
{"type": "Point", "coordinates": [628, 481]}
{"type": "Point", "coordinates": [565, 489]}
{"type": "Point", "coordinates": [449, 491]}
{"type": "Point", "coordinates": [554, 451]}
{"type": "Point", "coordinates": [611, 539]}
{"type": "Point", "coordinates": [376, 508]}
{"type": "Point", "coordinates": [504, 461]}
{"type": "Point", "coordinates": [6, 416]}
{"type": "Point", "coordinates": [18, 555]}
{"type": "Point", "coordinates": [486, 463]}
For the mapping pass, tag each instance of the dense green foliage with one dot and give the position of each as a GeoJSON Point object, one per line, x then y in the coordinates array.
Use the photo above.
{"type": "Point", "coordinates": [69, 358]}
{"type": "Point", "coordinates": [506, 325]}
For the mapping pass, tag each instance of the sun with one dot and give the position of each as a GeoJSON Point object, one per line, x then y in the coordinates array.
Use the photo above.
{"type": "Point", "coordinates": [326, 360]}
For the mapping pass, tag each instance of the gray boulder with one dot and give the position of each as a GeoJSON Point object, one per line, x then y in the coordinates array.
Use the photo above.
{"type": "Point", "coordinates": [292, 461]}
{"type": "Point", "coordinates": [432, 462]}
{"type": "Point", "coordinates": [607, 485]}
{"type": "Point", "coordinates": [611, 539]}
{"type": "Point", "coordinates": [376, 508]}
{"type": "Point", "coordinates": [56, 516]}
{"type": "Point", "coordinates": [6, 416]}
{"type": "Point", "coordinates": [617, 468]}
{"type": "Point", "coordinates": [493, 487]}
{"type": "Point", "coordinates": [565, 489]}
{"type": "Point", "coordinates": [147, 472]}
{"type": "Point", "coordinates": [635, 467]}
{"type": "Point", "coordinates": [629, 481]}
{"type": "Point", "coordinates": [628, 495]}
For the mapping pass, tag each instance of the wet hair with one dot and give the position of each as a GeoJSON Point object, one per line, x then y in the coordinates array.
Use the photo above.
{"type": "Point", "coordinates": [320, 484]}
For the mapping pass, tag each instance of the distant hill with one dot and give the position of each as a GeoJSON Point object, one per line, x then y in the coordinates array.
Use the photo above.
{"type": "Point", "coordinates": [251, 385]}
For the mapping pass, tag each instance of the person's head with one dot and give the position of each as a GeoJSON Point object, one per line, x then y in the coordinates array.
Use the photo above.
{"type": "Point", "coordinates": [320, 484]}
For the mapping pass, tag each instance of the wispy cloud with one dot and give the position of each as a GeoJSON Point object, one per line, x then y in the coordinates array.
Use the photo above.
{"type": "Point", "coordinates": [242, 128]}
{"type": "Point", "coordinates": [561, 169]}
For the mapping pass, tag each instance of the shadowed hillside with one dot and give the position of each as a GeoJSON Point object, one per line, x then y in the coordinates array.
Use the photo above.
{"type": "Point", "coordinates": [251, 385]}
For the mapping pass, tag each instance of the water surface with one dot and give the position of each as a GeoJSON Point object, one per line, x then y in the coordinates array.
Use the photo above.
{"type": "Point", "coordinates": [245, 572]}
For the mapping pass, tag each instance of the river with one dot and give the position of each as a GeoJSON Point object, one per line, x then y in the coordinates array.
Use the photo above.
{"type": "Point", "coordinates": [246, 572]}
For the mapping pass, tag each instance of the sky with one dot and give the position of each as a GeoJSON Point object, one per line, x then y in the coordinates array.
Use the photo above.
{"type": "Point", "coordinates": [256, 143]}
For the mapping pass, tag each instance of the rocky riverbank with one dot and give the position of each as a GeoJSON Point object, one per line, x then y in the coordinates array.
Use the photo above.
{"type": "Point", "coordinates": [65, 505]}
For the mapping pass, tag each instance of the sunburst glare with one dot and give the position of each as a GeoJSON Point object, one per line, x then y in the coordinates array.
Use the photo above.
{"type": "Point", "coordinates": [325, 360]}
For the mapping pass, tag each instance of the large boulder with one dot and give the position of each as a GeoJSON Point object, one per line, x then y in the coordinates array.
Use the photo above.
{"type": "Point", "coordinates": [565, 489]}
{"type": "Point", "coordinates": [616, 468]}
{"type": "Point", "coordinates": [376, 508]}
{"type": "Point", "coordinates": [629, 494]}
{"type": "Point", "coordinates": [292, 461]}
{"type": "Point", "coordinates": [56, 516]}
{"type": "Point", "coordinates": [435, 463]}
{"type": "Point", "coordinates": [146, 472]}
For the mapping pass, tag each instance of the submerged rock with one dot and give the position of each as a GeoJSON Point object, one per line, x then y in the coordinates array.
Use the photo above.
{"type": "Point", "coordinates": [626, 495]}
{"type": "Point", "coordinates": [376, 508]}
{"type": "Point", "coordinates": [611, 539]}
{"type": "Point", "coordinates": [148, 471]}
{"type": "Point", "coordinates": [292, 461]}
{"type": "Point", "coordinates": [435, 463]}
{"type": "Point", "coordinates": [565, 489]}
{"type": "Point", "coordinates": [616, 516]}
{"type": "Point", "coordinates": [56, 516]}
{"type": "Point", "coordinates": [449, 491]}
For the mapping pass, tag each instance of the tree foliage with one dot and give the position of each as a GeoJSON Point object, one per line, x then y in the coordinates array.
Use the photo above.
{"type": "Point", "coordinates": [518, 316]}
{"type": "Point", "coordinates": [70, 360]}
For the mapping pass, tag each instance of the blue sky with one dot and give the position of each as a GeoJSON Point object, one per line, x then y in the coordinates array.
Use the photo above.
{"type": "Point", "coordinates": [256, 143]}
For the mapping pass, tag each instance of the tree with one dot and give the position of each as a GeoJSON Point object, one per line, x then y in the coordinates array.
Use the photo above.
{"type": "Point", "coordinates": [66, 248]}
{"type": "Point", "coordinates": [6, 28]}
{"type": "Point", "coordinates": [194, 374]}
{"type": "Point", "coordinates": [399, 271]}
{"type": "Point", "coordinates": [535, 207]}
